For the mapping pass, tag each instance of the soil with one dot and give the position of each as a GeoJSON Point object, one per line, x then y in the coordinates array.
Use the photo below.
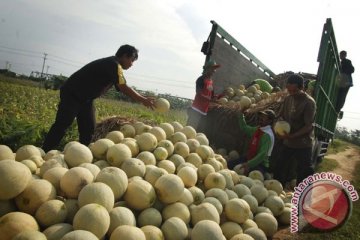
{"type": "Point", "coordinates": [347, 161]}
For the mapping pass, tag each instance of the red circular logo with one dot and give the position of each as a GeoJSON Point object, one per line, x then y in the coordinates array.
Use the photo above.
{"type": "Point", "coordinates": [325, 205]}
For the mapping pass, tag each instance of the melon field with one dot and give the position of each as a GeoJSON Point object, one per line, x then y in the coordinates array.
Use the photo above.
{"type": "Point", "coordinates": [151, 177]}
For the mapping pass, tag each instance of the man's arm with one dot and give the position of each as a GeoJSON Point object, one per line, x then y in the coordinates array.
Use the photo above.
{"type": "Point", "coordinates": [148, 102]}
{"type": "Point", "coordinates": [249, 130]}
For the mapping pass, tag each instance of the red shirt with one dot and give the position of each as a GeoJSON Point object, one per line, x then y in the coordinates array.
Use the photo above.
{"type": "Point", "coordinates": [204, 94]}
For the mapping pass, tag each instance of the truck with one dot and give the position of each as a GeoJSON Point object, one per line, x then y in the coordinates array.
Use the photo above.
{"type": "Point", "coordinates": [240, 66]}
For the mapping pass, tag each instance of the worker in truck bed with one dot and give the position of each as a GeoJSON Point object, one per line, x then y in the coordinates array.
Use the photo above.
{"type": "Point", "coordinates": [204, 95]}
{"type": "Point", "coordinates": [298, 109]}
{"type": "Point", "coordinates": [346, 82]}
{"type": "Point", "coordinates": [260, 146]}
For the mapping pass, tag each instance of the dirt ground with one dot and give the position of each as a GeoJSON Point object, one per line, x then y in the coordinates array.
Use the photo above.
{"type": "Point", "coordinates": [347, 161]}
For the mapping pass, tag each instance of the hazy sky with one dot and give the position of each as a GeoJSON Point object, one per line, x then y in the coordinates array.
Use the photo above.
{"type": "Point", "coordinates": [283, 34]}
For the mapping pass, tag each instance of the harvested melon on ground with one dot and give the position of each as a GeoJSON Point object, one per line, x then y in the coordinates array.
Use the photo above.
{"type": "Point", "coordinates": [146, 141]}
{"type": "Point", "coordinates": [14, 223]}
{"type": "Point", "coordinates": [162, 105]}
{"type": "Point", "coordinates": [169, 188]}
{"type": "Point", "coordinates": [6, 153]}
{"type": "Point", "coordinates": [140, 194]}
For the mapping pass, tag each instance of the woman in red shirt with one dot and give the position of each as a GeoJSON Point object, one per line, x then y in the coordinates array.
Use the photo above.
{"type": "Point", "coordinates": [204, 94]}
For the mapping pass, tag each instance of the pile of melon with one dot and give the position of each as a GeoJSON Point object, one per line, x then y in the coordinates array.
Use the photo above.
{"type": "Point", "coordinates": [139, 182]}
{"type": "Point", "coordinates": [259, 93]}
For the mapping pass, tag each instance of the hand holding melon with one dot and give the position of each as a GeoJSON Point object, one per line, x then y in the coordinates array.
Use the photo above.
{"type": "Point", "coordinates": [161, 105]}
{"type": "Point", "coordinates": [282, 128]}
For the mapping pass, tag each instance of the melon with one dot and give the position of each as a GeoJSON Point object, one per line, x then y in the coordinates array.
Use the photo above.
{"type": "Point", "coordinates": [30, 235]}
{"type": "Point", "coordinates": [267, 223]}
{"type": "Point", "coordinates": [128, 130]}
{"type": "Point", "coordinates": [230, 229]}
{"type": "Point", "coordinates": [100, 147]}
{"type": "Point", "coordinates": [126, 232]}
{"type": "Point", "coordinates": [149, 216]}
{"type": "Point", "coordinates": [219, 194]}
{"type": "Point", "coordinates": [177, 160]}
{"type": "Point", "coordinates": [187, 198]}
{"type": "Point", "coordinates": [198, 194]}
{"type": "Point", "coordinates": [74, 180]}
{"type": "Point", "coordinates": [96, 192]}
{"type": "Point", "coordinates": [204, 170]}
{"type": "Point", "coordinates": [206, 229]}
{"type": "Point", "coordinates": [193, 144]}
{"type": "Point", "coordinates": [174, 228]}
{"type": "Point", "coordinates": [275, 204]}
{"type": "Point", "coordinates": [273, 185]}
{"type": "Point", "coordinates": [204, 211]}
{"type": "Point", "coordinates": [282, 128]}
{"type": "Point", "coordinates": [140, 194]}
{"type": "Point", "coordinates": [152, 174]}
{"type": "Point", "coordinates": [133, 167]}
{"type": "Point", "coordinates": [117, 153]}
{"type": "Point", "coordinates": [115, 136]}
{"type": "Point", "coordinates": [182, 149]}
{"type": "Point", "coordinates": [177, 126]}
{"type": "Point", "coordinates": [14, 223]}
{"type": "Point", "coordinates": [30, 164]}
{"type": "Point", "coordinates": [78, 154]}
{"type": "Point", "coordinates": [205, 152]}
{"type": "Point", "coordinates": [264, 85]}
{"type": "Point", "coordinates": [168, 165]}
{"type": "Point", "coordinates": [152, 232]}
{"type": "Point", "coordinates": [72, 207]}
{"type": "Point", "coordinates": [14, 177]}
{"type": "Point", "coordinates": [133, 145]}
{"type": "Point", "coordinates": [168, 145]}
{"type": "Point", "coordinates": [162, 105]}
{"type": "Point", "coordinates": [284, 217]}
{"type": "Point", "coordinates": [178, 137]}
{"type": "Point", "coordinates": [189, 132]}
{"type": "Point", "coordinates": [146, 141]}
{"type": "Point", "coordinates": [51, 212]}
{"type": "Point", "coordinates": [120, 216]}
{"type": "Point", "coordinates": [256, 174]}
{"type": "Point", "coordinates": [79, 235]}
{"type": "Point", "coordinates": [160, 153]}
{"type": "Point", "coordinates": [169, 188]}
{"type": "Point", "coordinates": [259, 192]}
{"type": "Point", "coordinates": [115, 178]}
{"type": "Point", "coordinates": [168, 128]}
{"type": "Point", "coordinates": [202, 139]}
{"type": "Point", "coordinates": [34, 195]}
{"type": "Point", "coordinates": [57, 231]}
{"type": "Point", "coordinates": [93, 218]}
{"type": "Point", "coordinates": [176, 209]}
{"type": "Point", "coordinates": [27, 151]}
{"type": "Point", "coordinates": [214, 201]}
{"type": "Point", "coordinates": [256, 233]}
{"type": "Point", "coordinates": [237, 210]}
{"type": "Point", "coordinates": [188, 175]}
{"type": "Point", "coordinates": [6, 153]}
{"type": "Point", "coordinates": [94, 169]}
{"type": "Point", "coordinates": [252, 201]}
{"type": "Point", "coordinates": [159, 133]}
{"type": "Point", "coordinates": [245, 102]}
{"type": "Point", "coordinates": [194, 159]}
{"type": "Point", "coordinates": [147, 157]}
{"type": "Point", "coordinates": [49, 164]}
{"type": "Point", "coordinates": [215, 180]}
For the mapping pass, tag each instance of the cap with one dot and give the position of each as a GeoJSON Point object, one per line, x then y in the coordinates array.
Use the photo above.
{"type": "Point", "coordinates": [211, 64]}
{"type": "Point", "coordinates": [270, 113]}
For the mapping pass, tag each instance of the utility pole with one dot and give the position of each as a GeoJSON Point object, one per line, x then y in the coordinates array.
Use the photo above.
{"type": "Point", "coordinates": [47, 69]}
{"type": "Point", "coordinates": [42, 70]}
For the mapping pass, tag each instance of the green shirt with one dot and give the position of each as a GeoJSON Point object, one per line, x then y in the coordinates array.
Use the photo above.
{"type": "Point", "coordinates": [262, 156]}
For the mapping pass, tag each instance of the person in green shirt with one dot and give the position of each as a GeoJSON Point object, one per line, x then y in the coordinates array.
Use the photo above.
{"type": "Point", "coordinates": [260, 145]}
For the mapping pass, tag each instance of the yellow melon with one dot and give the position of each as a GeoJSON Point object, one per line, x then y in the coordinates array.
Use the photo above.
{"type": "Point", "coordinates": [133, 145]}
{"type": "Point", "coordinates": [177, 126]}
{"type": "Point", "coordinates": [189, 132]}
{"type": "Point", "coordinates": [281, 128]}
{"type": "Point", "coordinates": [14, 177]}
{"type": "Point", "coordinates": [117, 153]}
{"type": "Point", "coordinates": [214, 201]}
{"type": "Point", "coordinates": [193, 144]}
{"type": "Point", "coordinates": [100, 147]}
{"type": "Point", "coordinates": [93, 218]}
{"type": "Point", "coordinates": [237, 210]}
{"type": "Point", "coordinates": [177, 160]}
{"type": "Point", "coordinates": [158, 132]}
{"type": "Point", "coordinates": [267, 223]}
{"type": "Point", "coordinates": [168, 128]}
{"type": "Point", "coordinates": [97, 192]}
{"type": "Point", "coordinates": [126, 232]}
{"type": "Point", "coordinates": [230, 229]}
{"type": "Point", "coordinates": [219, 194]}
{"type": "Point", "coordinates": [204, 170]}
{"type": "Point", "coordinates": [162, 105]}
{"type": "Point", "coordinates": [57, 231]}
{"type": "Point", "coordinates": [176, 209]}
{"type": "Point", "coordinates": [152, 174]}
{"type": "Point", "coordinates": [198, 194]}
{"type": "Point", "coordinates": [206, 229]}
{"type": "Point", "coordinates": [160, 153]}
{"type": "Point", "coordinates": [51, 212]}
{"type": "Point", "coordinates": [128, 130]}
{"type": "Point", "coordinates": [27, 151]}
{"type": "Point", "coordinates": [30, 235]}
{"type": "Point", "coordinates": [146, 141]}
{"type": "Point", "coordinates": [77, 154]}
{"type": "Point", "coordinates": [34, 195]}
{"type": "Point", "coordinates": [140, 194]}
{"type": "Point", "coordinates": [168, 145]}
{"type": "Point", "coordinates": [30, 164]}
{"type": "Point", "coordinates": [115, 136]}
{"type": "Point", "coordinates": [256, 233]}
{"type": "Point", "coordinates": [188, 175]}
{"type": "Point", "coordinates": [147, 157]}
{"type": "Point", "coordinates": [204, 211]}
{"type": "Point", "coordinates": [79, 235]}
{"type": "Point", "coordinates": [115, 178]}
{"type": "Point", "coordinates": [6, 153]}
{"type": "Point", "coordinates": [14, 223]}
{"type": "Point", "coordinates": [169, 188]}
{"type": "Point", "coordinates": [168, 165]}
{"type": "Point", "coordinates": [152, 232]}
{"type": "Point", "coordinates": [133, 167]}
{"type": "Point", "coordinates": [120, 216]}
{"type": "Point", "coordinates": [150, 216]}
{"type": "Point", "coordinates": [74, 180]}
{"type": "Point", "coordinates": [174, 228]}
{"type": "Point", "coordinates": [215, 180]}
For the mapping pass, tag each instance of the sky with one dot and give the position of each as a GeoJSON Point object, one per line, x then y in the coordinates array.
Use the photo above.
{"type": "Point", "coordinates": [284, 34]}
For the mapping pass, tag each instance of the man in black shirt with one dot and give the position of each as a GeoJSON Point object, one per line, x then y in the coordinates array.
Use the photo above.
{"type": "Point", "coordinates": [346, 69]}
{"type": "Point", "coordinates": [83, 87]}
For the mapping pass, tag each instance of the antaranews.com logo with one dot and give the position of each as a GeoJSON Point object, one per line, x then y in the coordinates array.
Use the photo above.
{"type": "Point", "coordinates": [322, 201]}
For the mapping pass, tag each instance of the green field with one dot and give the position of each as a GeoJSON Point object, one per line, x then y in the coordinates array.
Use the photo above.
{"type": "Point", "coordinates": [27, 112]}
